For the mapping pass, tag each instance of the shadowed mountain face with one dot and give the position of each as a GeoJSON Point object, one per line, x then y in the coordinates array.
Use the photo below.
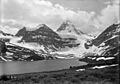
{"type": "Point", "coordinates": [3, 48]}
{"type": "Point", "coordinates": [109, 36]}
{"type": "Point", "coordinates": [42, 35]}
{"type": "Point", "coordinates": [11, 52]}
{"type": "Point", "coordinates": [108, 41]}
{"type": "Point", "coordinates": [45, 36]}
{"type": "Point", "coordinates": [5, 36]}
{"type": "Point", "coordinates": [21, 32]}
{"type": "Point", "coordinates": [40, 30]}
{"type": "Point", "coordinates": [69, 27]}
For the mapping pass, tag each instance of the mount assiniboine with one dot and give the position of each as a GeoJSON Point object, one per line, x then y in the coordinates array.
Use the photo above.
{"type": "Point", "coordinates": [69, 27]}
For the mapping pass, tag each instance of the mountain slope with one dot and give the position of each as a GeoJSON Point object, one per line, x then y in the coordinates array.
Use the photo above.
{"type": "Point", "coordinates": [12, 52]}
{"type": "Point", "coordinates": [21, 32]}
{"type": "Point", "coordinates": [45, 36]}
{"type": "Point", "coordinates": [112, 32]}
{"type": "Point", "coordinates": [5, 36]}
{"type": "Point", "coordinates": [109, 40]}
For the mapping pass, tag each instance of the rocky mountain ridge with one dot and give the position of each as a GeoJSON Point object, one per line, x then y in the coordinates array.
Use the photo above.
{"type": "Point", "coordinates": [45, 36]}
{"type": "Point", "coordinates": [107, 43]}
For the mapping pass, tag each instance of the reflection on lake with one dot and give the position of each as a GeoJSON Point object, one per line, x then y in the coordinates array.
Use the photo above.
{"type": "Point", "coordinates": [37, 66]}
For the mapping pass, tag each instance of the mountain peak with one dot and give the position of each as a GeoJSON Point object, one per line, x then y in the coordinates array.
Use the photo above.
{"type": "Point", "coordinates": [68, 22]}
{"type": "Point", "coordinates": [21, 32]}
{"type": "Point", "coordinates": [43, 28]}
{"type": "Point", "coordinates": [41, 25]}
{"type": "Point", "coordinates": [69, 27]}
{"type": "Point", "coordinates": [66, 26]}
{"type": "Point", "coordinates": [24, 28]}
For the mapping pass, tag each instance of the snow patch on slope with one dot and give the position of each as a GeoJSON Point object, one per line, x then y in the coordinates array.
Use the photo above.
{"type": "Point", "coordinates": [9, 30]}
{"type": "Point", "coordinates": [32, 46]}
{"type": "Point", "coordinates": [7, 37]}
{"type": "Point", "coordinates": [80, 51]}
{"type": "Point", "coordinates": [103, 58]}
{"type": "Point", "coordinates": [100, 67]}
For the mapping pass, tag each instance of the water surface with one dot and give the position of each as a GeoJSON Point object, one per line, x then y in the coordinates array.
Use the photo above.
{"type": "Point", "coordinates": [38, 66]}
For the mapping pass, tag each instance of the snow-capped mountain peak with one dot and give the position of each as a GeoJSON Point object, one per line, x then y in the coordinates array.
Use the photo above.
{"type": "Point", "coordinates": [68, 22]}
{"type": "Point", "coordinates": [41, 26]}
{"type": "Point", "coordinates": [69, 27]}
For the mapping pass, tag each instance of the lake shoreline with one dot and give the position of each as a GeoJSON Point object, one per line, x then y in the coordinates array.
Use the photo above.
{"type": "Point", "coordinates": [69, 75]}
{"type": "Point", "coordinates": [95, 72]}
{"type": "Point", "coordinates": [38, 66]}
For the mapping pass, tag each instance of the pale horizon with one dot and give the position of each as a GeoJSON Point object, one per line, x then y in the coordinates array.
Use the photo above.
{"type": "Point", "coordinates": [90, 16]}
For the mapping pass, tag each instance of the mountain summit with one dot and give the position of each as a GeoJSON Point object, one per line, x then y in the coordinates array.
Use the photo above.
{"type": "Point", "coordinates": [69, 27]}
{"type": "Point", "coordinates": [41, 29]}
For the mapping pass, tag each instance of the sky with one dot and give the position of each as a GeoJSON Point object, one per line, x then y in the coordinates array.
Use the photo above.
{"type": "Point", "coordinates": [90, 16]}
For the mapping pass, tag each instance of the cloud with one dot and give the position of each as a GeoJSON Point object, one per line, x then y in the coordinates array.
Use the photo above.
{"type": "Point", "coordinates": [109, 15]}
{"type": "Point", "coordinates": [42, 11]}
{"type": "Point", "coordinates": [33, 12]}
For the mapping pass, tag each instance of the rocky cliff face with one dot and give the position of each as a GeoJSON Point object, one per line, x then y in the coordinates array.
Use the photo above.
{"type": "Point", "coordinates": [3, 48]}
{"type": "Point", "coordinates": [17, 53]}
{"type": "Point", "coordinates": [5, 36]}
{"type": "Point", "coordinates": [110, 36]}
{"type": "Point", "coordinates": [45, 36]}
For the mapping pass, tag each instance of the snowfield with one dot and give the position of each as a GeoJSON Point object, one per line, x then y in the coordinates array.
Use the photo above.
{"type": "Point", "coordinates": [80, 50]}
{"type": "Point", "coordinates": [77, 52]}
{"type": "Point", "coordinates": [32, 46]}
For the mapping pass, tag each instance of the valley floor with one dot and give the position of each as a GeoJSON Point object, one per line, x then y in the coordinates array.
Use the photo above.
{"type": "Point", "coordinates": [108, 75]}
{"type": "Point", "coordinates": [102, 71]}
